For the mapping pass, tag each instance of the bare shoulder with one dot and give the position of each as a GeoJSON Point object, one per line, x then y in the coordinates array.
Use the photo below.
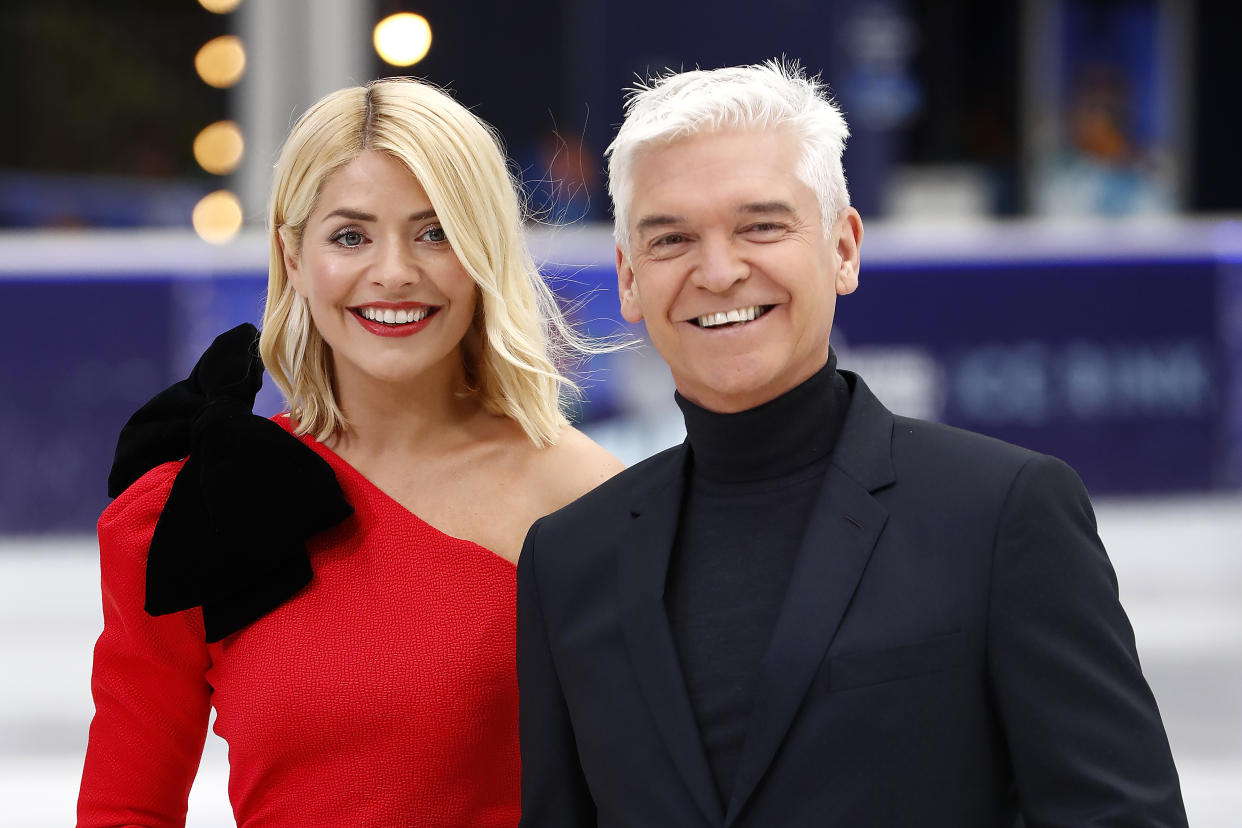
{"type": "Point", "coordinates": [514, 483]}
{"type": "Point", "coordinates": [572, 467]}
{"type": "Point", "coordinates": [555, 474]}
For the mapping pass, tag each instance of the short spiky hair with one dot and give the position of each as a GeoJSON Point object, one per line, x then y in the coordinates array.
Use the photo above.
{"type": "Point", "coordinates": [774, 94]}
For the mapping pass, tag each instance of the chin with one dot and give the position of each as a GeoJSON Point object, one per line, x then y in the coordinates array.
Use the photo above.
{"type": "Point", "coordinates": [395, 372]}
{"type": "Point", "coordinates": [729, 389]}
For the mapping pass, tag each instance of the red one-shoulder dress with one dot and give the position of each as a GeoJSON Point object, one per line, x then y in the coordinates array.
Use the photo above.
{"type": "Point", "coordinates": [384, 693]}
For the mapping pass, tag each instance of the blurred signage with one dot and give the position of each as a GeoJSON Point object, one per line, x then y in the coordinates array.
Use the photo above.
{"type": "Point", "coordinates": [1128, 369]}
{"type": "Point", "coordinates": [1088, 361]}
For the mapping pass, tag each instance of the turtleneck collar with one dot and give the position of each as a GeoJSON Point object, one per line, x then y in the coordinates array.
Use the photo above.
{"type": "Point", "coordinates": [780, 437]}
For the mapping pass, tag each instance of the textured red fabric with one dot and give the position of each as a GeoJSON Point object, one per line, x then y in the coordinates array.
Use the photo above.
{"type": "Point", "coordinates": [384, 693]}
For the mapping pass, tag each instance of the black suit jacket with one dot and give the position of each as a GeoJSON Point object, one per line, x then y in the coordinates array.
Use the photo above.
{"type": "Point", "coordinates": [951, 652]}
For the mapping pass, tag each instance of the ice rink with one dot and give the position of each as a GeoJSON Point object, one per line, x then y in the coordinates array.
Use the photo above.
{"type": "Point", "coordinates": [1179, 563]}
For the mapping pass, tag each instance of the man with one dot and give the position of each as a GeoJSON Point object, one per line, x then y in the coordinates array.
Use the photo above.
{"type": "Point", "coordinates": [813, 612]}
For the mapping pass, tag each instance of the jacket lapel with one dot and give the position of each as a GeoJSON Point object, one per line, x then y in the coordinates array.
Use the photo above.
{"type": "Point", "coordinates": [643, 568]}
{"type": "Point", "coordinates": [842, 531]}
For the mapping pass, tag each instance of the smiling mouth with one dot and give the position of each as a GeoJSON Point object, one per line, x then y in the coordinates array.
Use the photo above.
{"type": "Point", "coordinates": [395, 318]}
{"type": "Point", "coordinates": [732, 318]}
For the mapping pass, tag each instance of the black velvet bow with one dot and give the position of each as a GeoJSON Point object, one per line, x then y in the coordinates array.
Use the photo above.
{"type": "Point", "coordinates": [232, 536]}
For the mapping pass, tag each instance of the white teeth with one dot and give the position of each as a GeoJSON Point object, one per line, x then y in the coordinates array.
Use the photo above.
{"type": "Point", "coordinates": [746, 314]}
{"type": "Point", "coordinates": [389, 316]}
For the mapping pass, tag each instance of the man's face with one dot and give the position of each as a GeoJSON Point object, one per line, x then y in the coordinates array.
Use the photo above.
{"type": "Point", "coordinates": [721, 224]}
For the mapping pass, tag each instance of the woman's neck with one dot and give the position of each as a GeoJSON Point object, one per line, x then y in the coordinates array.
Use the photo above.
{"type": "Point", "coordinates": [429, 416]}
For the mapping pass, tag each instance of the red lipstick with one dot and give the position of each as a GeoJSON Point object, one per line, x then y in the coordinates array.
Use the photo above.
{"type": "Point", "coordinates": [380, 328]}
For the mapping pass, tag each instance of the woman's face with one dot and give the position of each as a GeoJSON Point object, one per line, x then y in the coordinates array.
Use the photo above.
{"type": "Point", "coordinates": [384, 287]}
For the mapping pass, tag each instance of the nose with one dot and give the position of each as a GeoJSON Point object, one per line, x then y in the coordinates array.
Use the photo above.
{"type": "Point", "coordinates": [395, 266]}
{"type": "Point", "coordinates": [720, 267]}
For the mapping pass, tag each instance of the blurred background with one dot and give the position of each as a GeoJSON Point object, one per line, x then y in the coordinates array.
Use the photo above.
{"type": "Point", "coordinates": [1053, 203]}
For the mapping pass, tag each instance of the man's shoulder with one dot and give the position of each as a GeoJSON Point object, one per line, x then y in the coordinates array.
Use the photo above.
{"type": "Point", "coordinates": [933, 440]}
{"type": "Point", "coordinates": [869, 422]}
{"type": "Point", "coordinates": [922, 445]}
{"type": "Point", "coordinates": [955, 463]}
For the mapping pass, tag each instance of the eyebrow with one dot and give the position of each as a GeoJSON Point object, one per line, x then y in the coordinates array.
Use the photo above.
{"type": "Point", "coordinates": [767, 207]}
{"type": "Point", "coordinates": [648, 222]}
{"type": "Point", "coordinates": [358, 215]}
{"type": "Point", "coordinates": [750, 208]}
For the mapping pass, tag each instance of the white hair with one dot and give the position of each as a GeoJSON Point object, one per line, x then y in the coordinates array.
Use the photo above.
{"type": "Point", "coordinates": [773, 94]}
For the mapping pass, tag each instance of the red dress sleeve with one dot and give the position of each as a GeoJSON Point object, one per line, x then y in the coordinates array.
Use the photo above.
{"type": "Point", "coordinates": [152, 698]}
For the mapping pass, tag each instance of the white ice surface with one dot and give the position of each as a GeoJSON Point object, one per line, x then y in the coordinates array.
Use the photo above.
{"type": "Point", "coordinates": [1178, 560]}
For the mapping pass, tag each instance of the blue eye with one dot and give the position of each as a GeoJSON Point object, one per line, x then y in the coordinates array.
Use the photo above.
{"type": "Point", "coordinates": [349, 238]}
{"type": "Point", "coordinates": [434, 234]}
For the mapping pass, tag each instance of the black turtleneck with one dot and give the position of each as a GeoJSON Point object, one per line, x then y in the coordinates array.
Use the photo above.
{"type": "Point", "coordinates": [754, 478]}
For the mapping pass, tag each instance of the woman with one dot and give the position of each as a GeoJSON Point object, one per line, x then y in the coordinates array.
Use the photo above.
{"type": "Point", "coordinates": [361, 665]}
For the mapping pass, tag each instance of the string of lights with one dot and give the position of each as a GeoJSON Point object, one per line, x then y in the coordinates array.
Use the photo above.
{"type": "Point", "coordinates": [401, 39]}
{"type": "Point", "coordinates": [219, 147]}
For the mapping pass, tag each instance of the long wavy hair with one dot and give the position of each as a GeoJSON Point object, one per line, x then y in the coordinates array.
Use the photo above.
{"type": "Point", "coordinates": [518, 337]}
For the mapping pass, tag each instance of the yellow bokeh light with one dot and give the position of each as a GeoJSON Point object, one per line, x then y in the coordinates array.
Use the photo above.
{"type": "Point", "coordinates": [219, 6]}
{"type": "Point", "coordinates": [217, 217]}
{"type": "Point", "coordinates": [403, 39]}
{"type": "Point", "coordinates": [221, 61]}
{"type": "Point", "coordinates": [218, 148]}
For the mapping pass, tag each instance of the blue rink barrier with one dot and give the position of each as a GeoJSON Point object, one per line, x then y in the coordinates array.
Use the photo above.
{"type": "Point", "coordinates": [1119, 351]}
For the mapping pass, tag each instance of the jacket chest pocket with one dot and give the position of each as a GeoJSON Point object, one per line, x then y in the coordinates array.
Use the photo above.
{"type": "Point", "coordinates": [864, 668]}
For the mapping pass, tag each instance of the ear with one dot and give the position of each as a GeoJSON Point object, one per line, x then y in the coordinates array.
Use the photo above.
{"type": "Point", "coordinates": [291, 262]}
{"type": "Point", "coordinates": [847, 235]}
{"type": "Point", "coordinates": [631, 305]}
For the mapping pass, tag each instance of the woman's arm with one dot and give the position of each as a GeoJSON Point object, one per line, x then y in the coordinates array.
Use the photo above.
{"type": "Point", "coordinates": [149, 681]}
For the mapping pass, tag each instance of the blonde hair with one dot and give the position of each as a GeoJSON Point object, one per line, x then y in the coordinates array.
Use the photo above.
{"type": "Point", "coordinates": [770, 95]}
{"type": "Point", "coordinates": [518, 333]}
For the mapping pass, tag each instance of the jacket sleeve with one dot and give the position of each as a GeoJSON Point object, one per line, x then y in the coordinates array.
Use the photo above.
{"type": "Point", "coordinates": [149, 681]}
{"type": "Point", "coordinates": [1084, 734]}
{"type": "Point", "coordinates": [554, 789]}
